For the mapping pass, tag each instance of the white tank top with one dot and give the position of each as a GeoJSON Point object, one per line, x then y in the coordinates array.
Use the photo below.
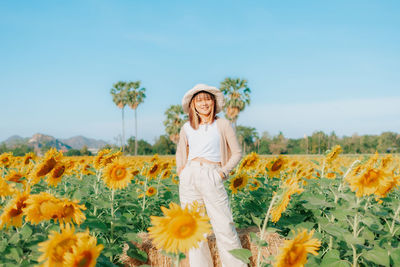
{"type": "Point", "coordinates": [204, 142]}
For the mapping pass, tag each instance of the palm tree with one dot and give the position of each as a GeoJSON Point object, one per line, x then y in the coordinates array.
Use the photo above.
{"type": "Point", "coordinates": [247, 136]}
{"type": "Point", "coordinates": [136, 95]}
{"type": "Point", "coordinates": [174, 121]}
{"type": "Point", "coordinates": [237, 97]}
{"type": "Point", "coordinates": [118, 93]}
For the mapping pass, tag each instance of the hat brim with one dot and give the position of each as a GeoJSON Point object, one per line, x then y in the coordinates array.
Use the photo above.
{"type": "Point", "coordinates": [219, 97]}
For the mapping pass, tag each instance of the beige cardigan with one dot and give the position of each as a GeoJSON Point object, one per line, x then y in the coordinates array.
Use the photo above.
{"type": "Point", "coordinates": [231, 152]}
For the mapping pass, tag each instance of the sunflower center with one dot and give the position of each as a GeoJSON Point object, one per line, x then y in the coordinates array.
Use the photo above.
{"type": "Point", "coordinates": [371, 177]}
{"type": "Point", "coordinates": [182, 226]}
{"type": "Point", "coordinates": [153, 169]}
{"type": "Point", "coordinates": [86, 259]}
{"type": "Point", "coordinates": [48, 207]}
{"type": "Point", "coordinates": [119, 173]}
{"type": "Point", "coordinates": [58, 172]}
{"type": "Point", "coordinates": [47, 167]}
{"type": "Point", "coordinates": [277, 165]}
{"type": "Point", "coordinates": [27, 160]}
{"type": "Point", "coordinates": [68, 211]}
{"type": "Point", "coordinates": [63, 246]}
{"type": "Point", "coordinates": [295, 255]}
{"type": "Point", "coordinates": [15, 212]}
{"type": "Point", "coordinates": [15, 178]}
{"type": "Point", "coordinates": [238, 182]}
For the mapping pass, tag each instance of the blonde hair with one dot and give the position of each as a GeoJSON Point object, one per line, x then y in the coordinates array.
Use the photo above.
{"type": "Point", "coordinates": [194, 117]}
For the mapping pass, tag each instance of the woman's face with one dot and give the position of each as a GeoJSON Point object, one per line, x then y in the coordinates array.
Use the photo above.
{"type": "Point", "coordinates": [203, 103]}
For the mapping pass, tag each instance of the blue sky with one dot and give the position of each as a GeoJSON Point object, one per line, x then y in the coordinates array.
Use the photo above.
{"type": "Point", "coordinates": [311, 65]}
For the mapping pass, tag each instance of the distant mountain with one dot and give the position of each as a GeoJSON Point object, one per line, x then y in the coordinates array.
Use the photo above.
{"type": "Point", "coordinates": [15, 140]}
{"type": "Point", "coordinates": [78, 142]}
{"type": "Point", "coordinates": [38, 141]}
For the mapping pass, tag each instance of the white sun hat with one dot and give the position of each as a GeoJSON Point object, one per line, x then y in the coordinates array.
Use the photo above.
{"type": "Point", "coordinates": [219, 97]}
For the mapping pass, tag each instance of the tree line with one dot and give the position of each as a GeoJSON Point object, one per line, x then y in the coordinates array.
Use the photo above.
{"type": "Point", "coordinates": [266, 144]}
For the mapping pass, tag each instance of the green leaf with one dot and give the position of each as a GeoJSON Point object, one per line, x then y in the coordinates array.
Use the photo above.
{"type": "Point", "coordinates": [395, 256]}
{"type": "Point", "coordinates": [316, 162]}
{"type": "Point", "coordinates": [340, 214]}
{"type": "Point", "coordinates": [14, 239]}
{"type": "Point", "coordinates": [241, 254]}
{"type": "Point", "coordinates": [133, 237]}
{"type": "Point", "coordinates": [136, 253]}
{"type": "Point", "coordinates": [334, 230]}
{"type": "Point", "coordinates": [354, 240]}
{"type": "Point", "coordinates": [3, 245]}
{"type": "Point", "coordinates": [103, 261]}
{"type": "Point", "coordinates": [15, 254]}
{"type": "Point", "coordinates": [332, 259]}
{"type": "Point", "coordinates": [256, 220]}
{"type": "Point", "coordinates": [26, 232]}
{"type": "Point", "coordinates": [377, 255]}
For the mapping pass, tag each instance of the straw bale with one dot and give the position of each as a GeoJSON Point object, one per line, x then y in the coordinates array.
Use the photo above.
{"type": "Point", "coordinates": [155, 258]}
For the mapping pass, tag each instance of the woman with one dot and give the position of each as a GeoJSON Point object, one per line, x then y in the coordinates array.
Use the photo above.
{"type": "Point", "coordinates": [207, 151]}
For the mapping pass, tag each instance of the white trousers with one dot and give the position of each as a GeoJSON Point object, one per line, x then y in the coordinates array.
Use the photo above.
{"type": "Point", "coordinates": [202, 183]}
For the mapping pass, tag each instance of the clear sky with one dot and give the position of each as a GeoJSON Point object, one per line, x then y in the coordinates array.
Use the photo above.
{"type": "Point", "coordinates": [311, 65]}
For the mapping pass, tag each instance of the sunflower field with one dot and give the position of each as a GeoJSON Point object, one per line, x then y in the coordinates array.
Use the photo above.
{"type": "Point", "coordinates": [333, 210]}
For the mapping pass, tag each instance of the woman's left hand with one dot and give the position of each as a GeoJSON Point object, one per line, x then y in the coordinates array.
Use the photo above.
{"type": "Point", "coordinates": [221, 174]}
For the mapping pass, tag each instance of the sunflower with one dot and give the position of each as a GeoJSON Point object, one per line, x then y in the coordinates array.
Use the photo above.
{"type": "Point", "coordinates": [368, 181]}
{"type": "Point", "coordinates": [28, 158]}
{"type": "Point", "coordinates": [180, 229]}
{"type": "Point", "coordinates": [47, 164]}
{"type": "Point", "coordinates": [153, 170]}
{"type": "Point", "coordinates": [151, 191]}
{"type": "Point", "coordinates": [331, 175]}
{"type": "Point", "coordinates": [58, 244]}
{"type": "Point", "coordinates": [84, 253]}
{"type": "Point", "coordinates": [166, 174]}
{"type": "Point", "coordinates": [294, 252]}
{"type": "Point", "coordinates": [41, 207]}
{"type": "Point", "coordinates": [333, 154]}
{"type": "Point", "coordinates": [57, 173]}
{"type": "Point", "coordinates": [155, 157]}
{"type": "Point", "coordinates": [289, 188]}
{"type": "Point", "coordinates": [70, 211]}
{"type": "Point", "coordinates": [116, 175]}
{"type": "Point", "coordinates": [254, 185]}
{"type": "Point", "coordinates": [135, 172]}
{"type": "Point", "coordinates": [277, 165]}
{"type": "Point", "coordinates": [175, 179]}
{"type": "Point", "coordinates": [16, 177]}
{"type": "Point", "coordinates": [5, 189]}
{"type": "Point", "coordinates": [12, 214]}
{"type": "Point", "coordinates": [238, 182]}
{"type": "Point", "coordinates": [109, 158]}
{"type": "Point", "coordinates": [249, 162]}
{"type": "Point", "coordinates": [386, 188]}
{"type": "Point", "coordinates": [85, 169]}
{"type": "Point", "coordinates": [6, 159]}
{"type": "Point", "coordinates": [99, 157]}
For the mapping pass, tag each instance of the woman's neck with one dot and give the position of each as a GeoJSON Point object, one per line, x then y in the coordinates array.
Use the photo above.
{"type": "Point", "coordinates": [205, 119]}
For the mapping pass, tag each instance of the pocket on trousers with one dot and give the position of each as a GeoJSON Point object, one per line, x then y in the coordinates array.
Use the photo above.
{"type": "Point", "coordinates": [217, 176]}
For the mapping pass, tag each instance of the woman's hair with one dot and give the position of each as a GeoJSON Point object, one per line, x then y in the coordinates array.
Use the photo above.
{"type": "Point", "coordinates": [194, 117]}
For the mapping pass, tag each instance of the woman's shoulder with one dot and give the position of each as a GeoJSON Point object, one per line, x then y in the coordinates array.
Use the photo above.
{"type": "Point", "coordinates": [222, 121]}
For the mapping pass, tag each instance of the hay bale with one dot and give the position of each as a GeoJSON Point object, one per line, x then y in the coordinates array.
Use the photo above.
{"type": "Point", "coordinates": [155, 258]}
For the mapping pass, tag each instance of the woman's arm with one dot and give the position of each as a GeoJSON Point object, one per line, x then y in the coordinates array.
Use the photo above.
{"type": "Point", "coordinates": [236, 151]}
{"type": "Point", "coordinates": [181, 152]}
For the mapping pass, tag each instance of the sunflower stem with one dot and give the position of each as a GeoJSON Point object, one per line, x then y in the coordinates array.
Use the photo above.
{"type": "Point", "coordinates": [263, 229]}
{"type": "Point", "coordinates": [144, 194]}
{"type": "Point", "coordinates": [177, 260]}
{"type": "Point", "coordinates": [323, 169]}
{"type": "Point", "coordinates": [394, 221]}
{"type": "Point", "coordinates": [112, 216]}
{"type": "Point", "coordinates": [355, 234]}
